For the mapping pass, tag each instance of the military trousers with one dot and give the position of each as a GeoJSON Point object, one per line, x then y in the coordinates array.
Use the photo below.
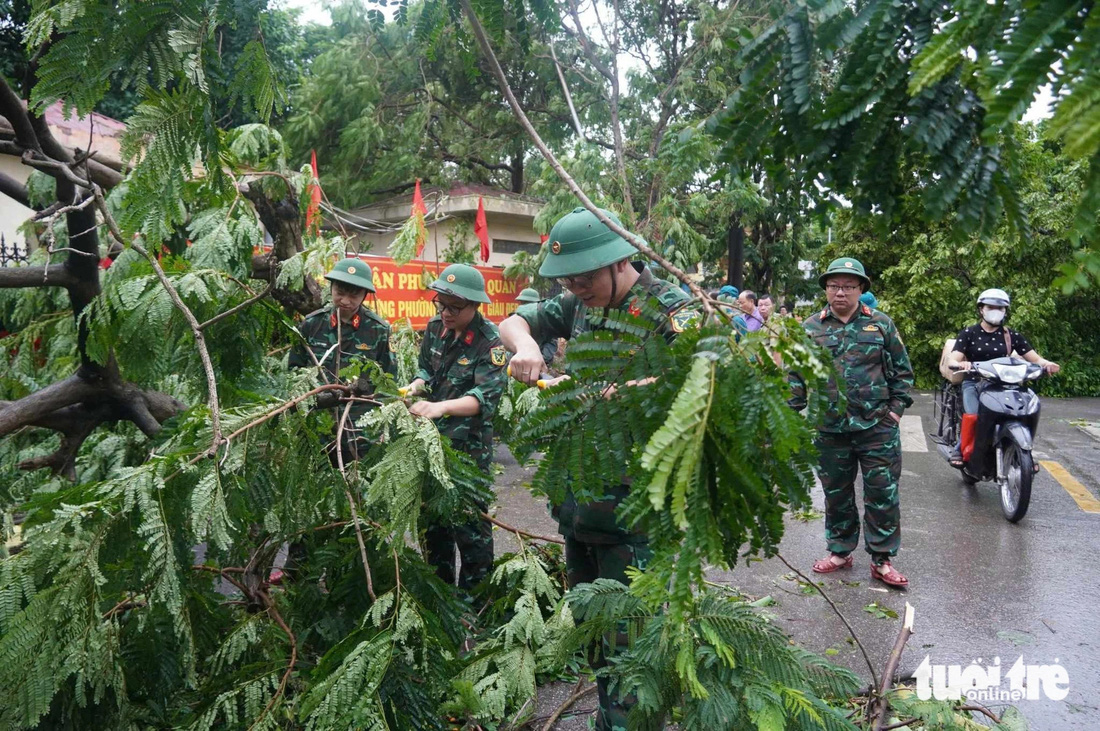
{"type": "Point", "coordinates": [474, 541]}
{"type": "Point", "coordinates": [585, 562]}
{"type": "Point", "coordinates": [473, 538]}
{"type": "Point", "coordinates": [877, 452]}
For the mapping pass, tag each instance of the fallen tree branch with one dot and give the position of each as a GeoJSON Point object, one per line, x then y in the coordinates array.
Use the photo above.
{"type": "Point", "coordinates": [351, 500]}
{"type": "Point", "coordinates": [234, 310]}
{"type": "Point", "coordinates": [47, 275]}
{"type": "Point", "coordinates": [66, 392]}
{"type": "Point", "coordinates": [836, 610]}
{"type": "Point", "coordinates": [977, 707]}
{"type": "Point", "coordinates": [518, 532]}
{"type": "Point", "coordinates": [273, 612]}
{"type": "Point", "coordinates": [892, 665]}
{"type": "Point", "coordinates": [15, 190]}
{"type": "Point", "coordinates": [521, 116]}
{"type": "Point", "coordinates": [575, 696]}
{"type": "Point", "coordinates": [200, 340]}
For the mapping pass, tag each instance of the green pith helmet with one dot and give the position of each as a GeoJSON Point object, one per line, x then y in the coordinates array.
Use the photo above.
{"type": "Point", "coordinates": [461, 280]}
{"type": "Point", "coordinates": [355, 272]}
{"type": "Point", "coordinates": [846, 265]}
{"type": "Point", "coordinates": [529, 295]}
{"type": "Point", "coordinates": [579, 243]}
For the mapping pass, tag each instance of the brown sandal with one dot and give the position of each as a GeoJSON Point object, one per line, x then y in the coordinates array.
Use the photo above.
{"type": "Point", "coordinates": [828, 566]}
{"type": "Point", "coordinates": [888, 575]}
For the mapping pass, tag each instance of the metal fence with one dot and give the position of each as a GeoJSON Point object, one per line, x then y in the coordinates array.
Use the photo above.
{"type": "Point", "coordinates": [12, 254]}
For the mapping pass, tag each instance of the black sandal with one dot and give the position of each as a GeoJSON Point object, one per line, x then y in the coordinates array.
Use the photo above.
{"type": "Point", "coordinates": [955, 459]}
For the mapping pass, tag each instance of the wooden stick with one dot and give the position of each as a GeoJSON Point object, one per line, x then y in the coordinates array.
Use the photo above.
{"type": "Point", "coordinates": [518, 532]}
{"type": "Point", "coordinates": [892, 665]}
{"type": "Point", "coordinates": [577, 694]}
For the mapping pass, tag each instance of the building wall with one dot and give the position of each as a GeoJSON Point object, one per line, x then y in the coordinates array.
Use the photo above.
{"type": "Point", "coordinates": [12, 214]}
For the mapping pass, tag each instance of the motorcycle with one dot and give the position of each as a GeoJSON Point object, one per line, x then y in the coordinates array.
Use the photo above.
{"type": "Point", "coordinates": [996, 446]}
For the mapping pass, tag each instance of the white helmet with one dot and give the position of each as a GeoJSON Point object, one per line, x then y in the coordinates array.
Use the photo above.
{"type": "Point", "coordinates": [995, 297]}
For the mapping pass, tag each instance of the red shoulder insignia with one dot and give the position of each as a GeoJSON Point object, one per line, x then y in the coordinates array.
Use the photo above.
{"type": "Point", "coordinates": [469, 337]}
{"type": "Point", "coordinates": [635, 310]}
{"type": "Point", "coordinates": [332, 319]}
{"type": "Point", "coordinates": [866, 310]}
{"type": "Point", "coordinates": [355, 322]}
{"type": "Point", "coordinates": [823, 313]}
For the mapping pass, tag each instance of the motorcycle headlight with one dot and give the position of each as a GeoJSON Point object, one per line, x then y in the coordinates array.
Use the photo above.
{"type": "Point", "coordinates": [1013, 374]}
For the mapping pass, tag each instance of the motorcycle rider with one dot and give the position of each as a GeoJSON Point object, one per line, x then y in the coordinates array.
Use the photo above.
{"type": "Point", "coordinates": [986, 340]}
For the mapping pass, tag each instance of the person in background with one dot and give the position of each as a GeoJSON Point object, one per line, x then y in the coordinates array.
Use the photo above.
{"type": "Point", "coordinates": [986, 340]}
{"type": "Point", "coordinates": [766, 306]}
{"type": "Point", "coordinates": [749, 310]}
{"type": "Point", "coordinates": [728, 290]}
{"type": "Point", "coordinates": [868, 298]}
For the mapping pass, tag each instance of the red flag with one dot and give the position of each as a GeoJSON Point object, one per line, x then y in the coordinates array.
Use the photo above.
{"type": "Point", "coordinates": [419, 209]}
{"type": "Point", "coordinates": [481, 229]}
{"type": "Point", "coordinates": [543, 238]}
{"type": "Point", "coordinates": [314, 194]}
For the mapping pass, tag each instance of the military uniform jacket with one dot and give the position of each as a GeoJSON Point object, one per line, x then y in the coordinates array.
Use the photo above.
{"type": "Point", "coordinates": [367, 337]}
{"type": "Point", "coordinates": [567, 317]}
{"type": "Point", "coordinates": [870, 359]}
{"type": "Point", "coordinates": [469, 364]}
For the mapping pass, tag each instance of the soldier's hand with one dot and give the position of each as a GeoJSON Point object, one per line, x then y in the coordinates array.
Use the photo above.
{"type": "Point", "coordinates": [413, 389]}
{"type": "Point", "coordinates": [526, 365]}
{"type": "Point", "coordinates": [427, 409]}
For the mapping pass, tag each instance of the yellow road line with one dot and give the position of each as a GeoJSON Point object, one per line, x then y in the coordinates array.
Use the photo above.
{"type": "Point", "coordinates": [1076, 490]}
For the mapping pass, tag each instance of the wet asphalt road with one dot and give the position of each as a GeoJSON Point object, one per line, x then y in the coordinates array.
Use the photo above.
{"type": "Point", "coordinates": [982, 588]}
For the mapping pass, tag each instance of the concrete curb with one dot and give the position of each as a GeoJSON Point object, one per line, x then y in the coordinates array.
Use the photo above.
{"type": "Point", "coordinates": [1093, 430]}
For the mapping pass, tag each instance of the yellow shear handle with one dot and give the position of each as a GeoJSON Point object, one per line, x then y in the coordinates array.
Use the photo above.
{"type": "Point", "coordinates": [541, 383]}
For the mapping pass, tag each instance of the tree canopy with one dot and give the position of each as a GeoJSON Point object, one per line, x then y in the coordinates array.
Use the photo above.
{"type": "Point", "coordinates": [854, 96]}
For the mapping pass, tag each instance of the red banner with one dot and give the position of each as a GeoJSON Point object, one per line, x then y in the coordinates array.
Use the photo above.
{"type": "Point", "coordinates": [403, 293]}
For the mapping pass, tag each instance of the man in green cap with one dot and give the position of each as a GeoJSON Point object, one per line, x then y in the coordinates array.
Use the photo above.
{"type": "Point", "coordinates": [549, 348]}
{"type": "Point", "coordinates": [873, 367]}
{"type": "Point", "coordinates": [361, 334]}
{"type": "Point", "coordinates": [592, 263]}
{"type": "Point", "coordinates": [461, 370]}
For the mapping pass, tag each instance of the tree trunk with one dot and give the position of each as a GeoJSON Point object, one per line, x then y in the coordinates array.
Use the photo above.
{"type": "Point", "coordinates": [517, 172]}
{"type": "Point", "coordinates": [735, 249]}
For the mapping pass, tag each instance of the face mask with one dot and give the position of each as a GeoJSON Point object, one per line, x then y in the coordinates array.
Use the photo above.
{"type": "Point", "coordinates": [993, 317]}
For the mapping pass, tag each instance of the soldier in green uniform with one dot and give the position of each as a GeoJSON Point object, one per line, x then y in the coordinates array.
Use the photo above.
{"type": "Point", "coordinates": [361, 333]}
{"type": "Point", "coordinates": [872, 367]}
{"type": "Point", "coordinates": [549, 348]}
{"type": "Point", "coordinates": [461, 368]}
{"type": "Point", "coordinates": [593, 264]}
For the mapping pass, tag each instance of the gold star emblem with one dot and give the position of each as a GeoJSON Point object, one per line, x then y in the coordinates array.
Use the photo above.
{"type": "Point", "coordinates": [848, 264]}
{"type": "Point", "coordinates": [450, 277]}
{"type": "Point", "coordinates": [351, 270]}
{"type": "Point", "coordinates": [555, 247]}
